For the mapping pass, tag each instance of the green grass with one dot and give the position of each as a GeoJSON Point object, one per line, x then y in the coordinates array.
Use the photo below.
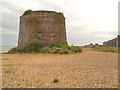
{"type": "Point", "coordinates": [106, 49]}
{"type": "Point", "coordinates": [10, 70]}
{"type": "Point", "coordinates": [59, 48]}
{"type": "Point", "coordinates": [28, 12]}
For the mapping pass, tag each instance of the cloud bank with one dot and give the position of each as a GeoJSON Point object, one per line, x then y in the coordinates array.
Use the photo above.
{"type": "Point", "coordinates": [87, 21]}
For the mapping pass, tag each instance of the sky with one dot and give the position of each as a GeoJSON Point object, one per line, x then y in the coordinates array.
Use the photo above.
{"type": "Point", "coordinates": [87, 21]}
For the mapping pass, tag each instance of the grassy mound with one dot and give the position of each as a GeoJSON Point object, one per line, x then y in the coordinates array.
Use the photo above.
{"type": "Point", "coordinates": [59, 48]}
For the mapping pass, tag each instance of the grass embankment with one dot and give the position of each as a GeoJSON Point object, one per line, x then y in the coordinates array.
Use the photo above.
{"type": "Point", "coordinates": [107, 49]}
{"type": "Point", "coordinates": [59, 48]}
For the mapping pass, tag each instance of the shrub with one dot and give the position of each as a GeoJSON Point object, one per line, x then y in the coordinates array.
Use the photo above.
{"type": "Point", "coordinates": [76, 49]}
{"type": "Point", "coordinates": [13, 50]}
{"type": "Point", "coordinates": [19, 50]}
{"type": "Point", "coordinates": [55, 80]}
{"type": "Point", "coordinates": [61, 52]}
{"type": "Point", "coordinates": [61, 45]}
{"type": "Point", "coordinates": [54, 51]}
{"type": "Point", "coordinates": [28, 12]}
{"type": "Point", "coordinates": [79, 49]}
{"type": "Point", "coordinates": [26, 50]}
{"type": "Point", "coordinates": [64, 51]}
{"type": "Point", "coordinates": [60, 48]}
{"type": "Point", "coordinates": [32, 47]}
{"type": "Point", "coordinates": [61, 13]}
{"type": "Point", "coordinates": [46, 50]}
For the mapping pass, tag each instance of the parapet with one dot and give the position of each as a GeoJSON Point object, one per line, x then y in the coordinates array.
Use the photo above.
{"type": "Point", "coordinates": [42, 12]}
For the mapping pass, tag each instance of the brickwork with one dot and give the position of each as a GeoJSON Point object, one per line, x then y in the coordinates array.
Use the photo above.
{"type": "Point", "coordinates": [45, 27]}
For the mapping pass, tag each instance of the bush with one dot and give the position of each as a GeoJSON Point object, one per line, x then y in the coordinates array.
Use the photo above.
{"type": "Point", "coordinates": [61, 13]}
{"type": "Point", "coordinates": [55, 80]}
{"type": "Point", "coordinates": [76, 49]}
{"type": "Point", "coordinates": [61, 45]}
{"type": "Point", "coordinates": [54, 51]}
{"type": "Point", "coordinates": [13, 50]}
{"type": "Point", "coordinates": [64, 51]}
{"type": "Point", "coordinates": [28, 12]}
{"type": "Point", "coordinates": [46, 50]}
{"type": "Point", "coordinates": [32, 47]}
{"type": "Point", "coordinates": [61, 52]}
{"type": "Point", "coordinates": [59, 48]}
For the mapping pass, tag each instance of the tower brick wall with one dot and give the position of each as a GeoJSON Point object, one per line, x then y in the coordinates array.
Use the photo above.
{"type": "Point", "coordinates": [45, 27]}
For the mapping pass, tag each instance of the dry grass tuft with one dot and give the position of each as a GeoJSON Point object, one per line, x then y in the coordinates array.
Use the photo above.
{"type": "Point", "coordinates": [10, 70]}
{"type": "Point", "coordinates": [106, 49]}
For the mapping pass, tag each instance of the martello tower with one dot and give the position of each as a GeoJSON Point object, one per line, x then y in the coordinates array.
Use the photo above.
{"type": "Point", "coordinates": [45, 27]}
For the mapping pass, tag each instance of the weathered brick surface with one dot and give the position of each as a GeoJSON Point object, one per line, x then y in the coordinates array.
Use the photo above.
{"type": "Point", "coordinates": [44, 28]}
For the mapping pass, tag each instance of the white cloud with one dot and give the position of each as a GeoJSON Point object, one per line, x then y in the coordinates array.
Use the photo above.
{"type": "Point", "coordinates": [85, 19]}
{"type": "Point", "coordinates": [9, 32]}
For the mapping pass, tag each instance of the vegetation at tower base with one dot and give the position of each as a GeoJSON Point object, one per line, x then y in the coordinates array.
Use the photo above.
{"type": "Point", "coordinates": [59, 48]}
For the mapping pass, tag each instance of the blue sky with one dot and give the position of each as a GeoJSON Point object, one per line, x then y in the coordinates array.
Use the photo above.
{"type": "Point", "coordinates": [87, 21]}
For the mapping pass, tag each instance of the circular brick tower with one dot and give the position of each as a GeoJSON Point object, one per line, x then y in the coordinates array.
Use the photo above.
{"type": "Point", "coordinates": [45, 27]}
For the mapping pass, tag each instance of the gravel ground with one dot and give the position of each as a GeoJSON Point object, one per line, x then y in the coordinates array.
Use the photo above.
{"type": "Point", "coordinates": [87, 69]}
